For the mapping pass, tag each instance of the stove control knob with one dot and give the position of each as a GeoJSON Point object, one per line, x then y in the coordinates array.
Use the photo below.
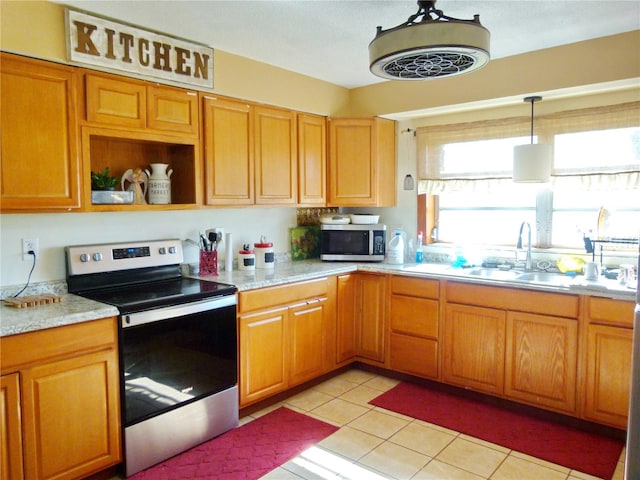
{"type": "Point", "coordinates": [162, 251]}
{"type": "Point", "coordinates": [172, 249]}
{"type": "Point", "coordinates": [84, 258]}
{"type": "Point", "coordinates": [97, 256]}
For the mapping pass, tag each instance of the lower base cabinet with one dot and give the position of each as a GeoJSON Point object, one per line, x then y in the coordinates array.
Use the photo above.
{"type": "Point", "coordinates": [66, 402]}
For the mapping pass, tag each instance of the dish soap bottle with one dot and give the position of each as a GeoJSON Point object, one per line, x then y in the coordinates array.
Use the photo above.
{"type": "Point", "coordinates": [419, 248]}
{"type": "Point", "coordinates": [395, 254]}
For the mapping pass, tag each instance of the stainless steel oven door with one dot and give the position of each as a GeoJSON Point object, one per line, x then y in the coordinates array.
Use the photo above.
{"type": "Point", "coordinates": [178, 378]}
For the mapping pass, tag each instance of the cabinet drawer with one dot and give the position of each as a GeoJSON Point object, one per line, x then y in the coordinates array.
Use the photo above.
{"type": "Point", "coordinates": [417, 356]}
{"type": "Point", "coordinates": [556, 304]}
{"type": "Point", "coordinates": [115, 102]}
{"type": "Point", "coordinates": [414, 316]}
{"type": "Point", "coordinates": [281, 295]}
{"type": "Point", "coordinates": [34, 347]}
{"type": "Point", "coordinates": [609, 311]}
{"type": "Point", "coordinates": [415, 287]}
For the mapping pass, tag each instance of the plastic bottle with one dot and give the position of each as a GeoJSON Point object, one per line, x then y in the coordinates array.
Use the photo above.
{"type": "Point", "coordinates": [395, 253]}
{"type": "Point", "coordinates": [419, 248]}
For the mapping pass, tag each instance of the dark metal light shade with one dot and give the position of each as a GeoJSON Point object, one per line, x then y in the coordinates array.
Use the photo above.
{"type": "Point", "coordinates": [431, 48]}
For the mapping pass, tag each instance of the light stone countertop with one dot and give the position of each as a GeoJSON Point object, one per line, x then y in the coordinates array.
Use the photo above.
{"type": "Point", "coordinates": [75, 309]}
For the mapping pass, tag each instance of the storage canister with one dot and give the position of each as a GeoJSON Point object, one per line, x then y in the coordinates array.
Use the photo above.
{"type": "Point", "coordinates": [265, 257]}
{"type": "Point", "coordinates": [246, 258]}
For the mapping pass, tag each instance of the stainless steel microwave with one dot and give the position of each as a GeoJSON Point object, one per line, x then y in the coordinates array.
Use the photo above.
{"type": "Point", "coordinates": [352, 242]}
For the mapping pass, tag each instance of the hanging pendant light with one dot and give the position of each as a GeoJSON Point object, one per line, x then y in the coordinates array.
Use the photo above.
{"type": "Point", "coordinates": [434, 47]}
{"type": "Point", "coordinates": [532, 163]}
{"type": "Point", "coordinates": [408, 179]}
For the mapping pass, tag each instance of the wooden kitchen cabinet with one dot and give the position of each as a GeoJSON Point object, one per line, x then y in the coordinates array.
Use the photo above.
{"type": "Point", "coordinates": [362, 162]}
{"type": "Point", "coordinates": [312, 160]}
{"type": "Point", "coordinates": [414, 326]}
{"type": "Point", "coordinates": [346, 314]}
{"type": "Point", "coordinates": [541, 360]}
{"type": "Point", "coordinates": [283, 337]}
{"type": "Point", "coordinates": [276, 169]}
{"type": "Point", "coordinates": [10, 428]}
{"type": "Point", "coordinates": [40, 164]}
{"type": "Point", "coordinates": [129, 103]}
{"type": "Point", "coordinates": [69, 390]}
{"type": "Point", "coordinates": [608, 360]}
{"type": "Point", "coordinates": [474, 343]}
{"type": "Point", "coordinates": [370, 300]}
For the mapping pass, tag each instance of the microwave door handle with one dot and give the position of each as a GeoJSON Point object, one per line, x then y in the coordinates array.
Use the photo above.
{"type": "Point", "coordinates": [371, 238]}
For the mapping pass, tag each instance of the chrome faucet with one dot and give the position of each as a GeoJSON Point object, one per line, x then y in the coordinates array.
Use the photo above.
{"type": "Point", "coordinates": [527, 262]}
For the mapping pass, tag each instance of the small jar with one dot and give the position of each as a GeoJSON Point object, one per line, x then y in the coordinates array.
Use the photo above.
{"type": "Point", "coordinates": [246, 258]}
{"type": "Point", "coordinates": [265, 257]}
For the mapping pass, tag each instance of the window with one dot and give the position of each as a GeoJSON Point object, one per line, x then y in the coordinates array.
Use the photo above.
{"type": "Point", "coordinates": [466, 168]}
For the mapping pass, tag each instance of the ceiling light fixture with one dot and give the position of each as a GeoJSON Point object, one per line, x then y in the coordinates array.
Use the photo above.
{"type": "Point", "coordinates": [434, 47]}
{"type": "Point", "coordinates": [532, 163]}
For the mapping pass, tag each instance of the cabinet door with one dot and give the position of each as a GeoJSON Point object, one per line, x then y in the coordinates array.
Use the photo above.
{"type": "Point", "coordinates": [307, 343]}
{"type": "Point", "coordinates": [346, 313]}
{"type": "Point", "coordinates": [352, 173]}
{"type": "Point", "coordinates": [172, 109]}
{"type": "Point", "coordinates": [312, 160]}
{"type": "Point", "coordinates": [474, 347]}
{"type": "Point", "coordinates": [541, 358]}
{"type": "Point", "coordinates": [608, 374]}
{"type": "Point", "coordinates": [228, 152]}
{"type": "Point", "coordinates": [370, 300]}
{"type": "Point", "coordinates": [39, 163]}
{"type": "Point", "coordinates": [10, 428]}
{"type": "Point", "coordinates": [115, 102]}
{"type": "Point", "coordinates": [275, 157]}
{"type": "Point", "coordinates": [263, 370]}
{"type": "Point", "coordinates": [70, 416]}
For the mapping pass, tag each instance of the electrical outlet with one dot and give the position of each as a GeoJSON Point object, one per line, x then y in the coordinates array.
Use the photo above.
{"type": "Point", "coordinates": [30, 244]}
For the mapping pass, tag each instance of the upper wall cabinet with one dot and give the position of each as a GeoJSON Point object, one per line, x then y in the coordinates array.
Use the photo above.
{"type": "Point", "coordinates": [362, 162]}
{"type": "Point", "coordinates": [129, 103]}
{"type": "Point", "coordinates": [39, 166]}
{"type": "Point", "coordinates": [312, 160]}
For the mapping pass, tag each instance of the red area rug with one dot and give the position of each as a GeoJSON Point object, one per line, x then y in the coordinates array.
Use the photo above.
{"type": "Point", "coordinates": [247, 452]}
{"type": "Point", "coordinates": [563, 445]}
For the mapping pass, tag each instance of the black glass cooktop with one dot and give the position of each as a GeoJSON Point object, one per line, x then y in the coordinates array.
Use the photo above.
{"type": "Point", "coordinates": [144, 296]}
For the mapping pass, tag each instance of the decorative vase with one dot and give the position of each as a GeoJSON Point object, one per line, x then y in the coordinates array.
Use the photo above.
{"type": "Point", "coordinates": [159, 184]}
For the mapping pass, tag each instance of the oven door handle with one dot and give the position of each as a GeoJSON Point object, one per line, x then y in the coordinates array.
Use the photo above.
{"type": "Point", "coordinates": [165, 313]}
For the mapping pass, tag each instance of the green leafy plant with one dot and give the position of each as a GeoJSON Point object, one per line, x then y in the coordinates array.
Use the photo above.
{"type": "Point", "coordinates": [103, 181]}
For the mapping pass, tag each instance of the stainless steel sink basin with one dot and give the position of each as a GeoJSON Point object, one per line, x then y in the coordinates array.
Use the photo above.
{"type": "Point", "coordinates": [491, 273]}
{"type": "Point", "coordinates": [543, 277]}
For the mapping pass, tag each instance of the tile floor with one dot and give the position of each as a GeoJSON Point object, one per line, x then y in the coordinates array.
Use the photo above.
{"type": "Point", "coordinates": [376, 444]}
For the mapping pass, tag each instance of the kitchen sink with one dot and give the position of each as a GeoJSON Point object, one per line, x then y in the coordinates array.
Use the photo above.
{"type": "Point", "coordinates": [543, 277]}
{"type": "Point", "coordinates": [491, 273]}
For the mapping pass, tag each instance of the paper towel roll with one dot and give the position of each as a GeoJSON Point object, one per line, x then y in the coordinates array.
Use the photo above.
{"type": "Point", "coordinates": [228, 249]}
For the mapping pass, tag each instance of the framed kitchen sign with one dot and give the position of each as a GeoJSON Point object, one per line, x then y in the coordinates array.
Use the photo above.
{"type": "Point", "coordinates": [128, 49]}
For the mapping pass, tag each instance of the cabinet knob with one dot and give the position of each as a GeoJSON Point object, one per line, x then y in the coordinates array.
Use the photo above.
{"type": "Point", "coordinates": [97, 257]}
{"type": "Point", "coordinates": [84, 257]}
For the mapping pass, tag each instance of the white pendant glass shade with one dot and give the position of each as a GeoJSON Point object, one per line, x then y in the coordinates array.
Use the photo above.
{"type": "Point", "coordinates": [532, 163]}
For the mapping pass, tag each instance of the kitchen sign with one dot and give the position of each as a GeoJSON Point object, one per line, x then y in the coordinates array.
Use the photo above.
{"type": "Point", "coordinates": [104, 43]}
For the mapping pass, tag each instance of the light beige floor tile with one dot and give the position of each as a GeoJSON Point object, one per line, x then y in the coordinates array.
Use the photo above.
{"type": "Point", "coordinates": [437, 427]}
{"type": "Point", "coordinates": [472, 457]}
{"type": "Point", "coordinates": [280, 474]}
{"type": "Point", "coordinates": [361, 395]}
{"type": "Point", "coordinates": [350, 443]}
{"type": "Point", "coordinates": [436, 470]}
{"type": "Point", "coordinates": [339, 411]}
{"type": "Point", "coordinates": [479, 441]}
{"type": "Point", "coordinates": [539, 461]}
{"type": "Point", "coordinates": [514, 468]}
{"type": "Point", "coordinates": [422, 439]}
{"type": "Point", "coordinates": [335, 386]}
{"type": "Point", "coordinates": [246, 419]}
{"type": "Point", "coordinates": [303, 468]}
{"type": "Point", "coordinates": [581, 476]}
{"type": "Point", "coordinates": [619, 472]}
{"type": "Point", "coordinates": [266, 410]}
{"type": "Point", "coordinates": [327, 463]}
{"type": "Point", "coordinates": [378, 424]}
{"type": "Point", "coordinates": [394, 414]}
{"type": "Point", "coordinates": [395, 460]}
{"type": "Point", "coordinates": [381, 383]}
{"type": "Point", "coordinates": [357, 376]}
{"type": "Point", "coordinates": [308, 400]}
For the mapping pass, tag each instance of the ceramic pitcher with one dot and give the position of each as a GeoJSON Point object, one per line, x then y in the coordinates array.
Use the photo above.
{"type": "Point", "coordinates": [159, 184]}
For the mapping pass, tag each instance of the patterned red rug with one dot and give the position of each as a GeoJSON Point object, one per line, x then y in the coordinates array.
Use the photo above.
{"type": "Point", "coordinates": [563, 445]}
{"type": "Point", "coordinates": [244, 453]}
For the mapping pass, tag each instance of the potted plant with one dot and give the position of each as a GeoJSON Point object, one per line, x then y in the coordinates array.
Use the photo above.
{"type": "Point", "coordinates": [103, 181]}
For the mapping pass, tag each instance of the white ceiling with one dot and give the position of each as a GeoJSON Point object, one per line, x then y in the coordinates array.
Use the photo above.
{"type": "Point", "coordinates": [329, 39]}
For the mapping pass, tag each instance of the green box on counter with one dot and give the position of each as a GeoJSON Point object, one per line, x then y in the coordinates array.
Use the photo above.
{"type": "Point", "coordinates": [305, 242]}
